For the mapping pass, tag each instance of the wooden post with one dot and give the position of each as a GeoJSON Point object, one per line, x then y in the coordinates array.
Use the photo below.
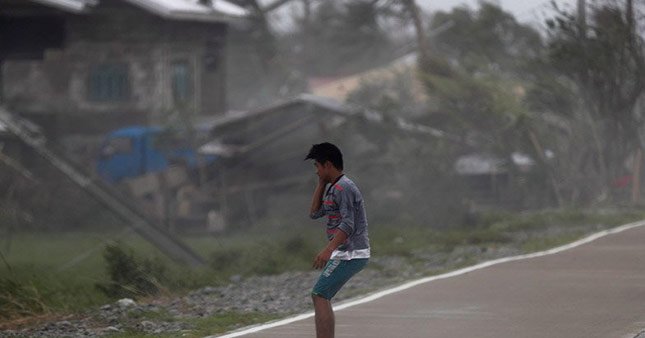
{"type": "Point", "coordinates": [250, 205]}
{"type": "Point", "coordinates": [1, 81]}
{"type": "Point", "coordinates": [636, 175]}
{"type": "Point", "coordinates": [223, 198]}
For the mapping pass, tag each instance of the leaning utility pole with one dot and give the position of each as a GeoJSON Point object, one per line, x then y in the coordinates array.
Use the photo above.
{"type": "Point", "coordinates": [1, 80]}
{"type": "Point", "coordinates": [111, 198]}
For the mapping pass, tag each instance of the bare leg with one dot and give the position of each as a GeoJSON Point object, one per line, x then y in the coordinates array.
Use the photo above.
{"type": "Point", "coordinates": [324, 317]}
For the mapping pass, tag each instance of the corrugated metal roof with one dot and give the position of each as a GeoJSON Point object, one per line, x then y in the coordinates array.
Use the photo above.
{"type": "Point", "coordinates": [487, 164]}
{"type": "Point", "coordinates": [172, 9]}
{"type": "Point", "coordinates": [219, 6]}
{"type": "Point", "coordinates": [480, 164]}
{"type": "Point", "coordinates": [191, 9]}
{"type": "Point", "coordinates": [216, 147]}
{"type": "Point", "coordinates": [75, 6]}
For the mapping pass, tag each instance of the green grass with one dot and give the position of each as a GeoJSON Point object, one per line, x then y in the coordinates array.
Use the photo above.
{"type": "Point", "coordinates": [134, 334]}
{"type": "Point", "coordinates": [161, 315]}
{"type": "Point", "coordinates": [228, 321]}
{"type": "Point", "coordinates": [201, 327]}
{"type": "Point", "coordinates": [566, 217]}
{"type": "Point", "coordinates": [541, 244]}
{"type": "Point", "coordinates": [492, 228]}
{"type": "Point", "coordinates": [34, 279]}
{"type": "Point", "coordinates": [37, 262]}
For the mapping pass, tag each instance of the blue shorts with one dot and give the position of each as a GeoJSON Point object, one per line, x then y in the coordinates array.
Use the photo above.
{"type": "Point", "coordinates": [335, 274]}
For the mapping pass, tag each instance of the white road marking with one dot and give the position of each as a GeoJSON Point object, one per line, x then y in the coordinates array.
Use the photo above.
{"type": "Point", "coordinates": [381, 294]}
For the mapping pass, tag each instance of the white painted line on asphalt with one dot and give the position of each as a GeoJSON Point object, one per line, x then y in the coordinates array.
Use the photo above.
{"type": "Point", "coordinates": [381, 294]}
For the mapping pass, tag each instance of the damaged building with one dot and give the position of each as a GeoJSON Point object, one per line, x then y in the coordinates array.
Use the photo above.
{"type": "Point", "coordinates": [80, 68]}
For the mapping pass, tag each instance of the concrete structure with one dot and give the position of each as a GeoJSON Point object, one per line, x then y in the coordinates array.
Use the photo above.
{"type": "Point", "coordinates": [85, 67]}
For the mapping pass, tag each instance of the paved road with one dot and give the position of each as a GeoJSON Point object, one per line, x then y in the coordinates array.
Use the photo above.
{"type": "Point", "coordinates": [593, 290]}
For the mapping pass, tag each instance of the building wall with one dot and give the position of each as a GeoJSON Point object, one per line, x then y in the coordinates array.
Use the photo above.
{"type": "Point", "coordinates": [56, 88]}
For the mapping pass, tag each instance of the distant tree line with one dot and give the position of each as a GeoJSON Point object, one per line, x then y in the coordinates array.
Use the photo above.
{"type": "Point", "coordinates": [570, 96]}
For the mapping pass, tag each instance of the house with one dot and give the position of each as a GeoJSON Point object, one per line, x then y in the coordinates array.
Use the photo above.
{"type": "Point", "coordinates": [83, 67]}
{"type": "Point", "coordinates": [260, 166]}
{"type": "Point", "coordinates": [402, 71]}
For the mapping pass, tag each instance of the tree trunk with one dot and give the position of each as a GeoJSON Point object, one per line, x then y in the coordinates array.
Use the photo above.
{"type": "Point", "coordinates": [629, 16]}
{"type": "Point", "coordinates": [636, 175]}
{"type": "Point", "coordinates": [306, 33]}
{"type": "Point", "coordinates": [265, 42]}
{"type": "Point", "coordinates": [1, 81]}
{"type": "Point", "coordinates": [582, 18]}
{"type": "Point", "coordinates": [422, 39]}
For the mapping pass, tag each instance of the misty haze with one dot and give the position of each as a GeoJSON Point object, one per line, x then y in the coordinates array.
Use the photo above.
{"type": "Point", "coordinates": [153, 179]}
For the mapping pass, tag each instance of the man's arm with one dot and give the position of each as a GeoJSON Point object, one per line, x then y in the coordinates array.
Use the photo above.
{"type": "Point", "coordinates": [321, 259]}
{"type": "Point", "coordinates": [344, 230]}
{"type": "Point", "coordinates": [316, 201]}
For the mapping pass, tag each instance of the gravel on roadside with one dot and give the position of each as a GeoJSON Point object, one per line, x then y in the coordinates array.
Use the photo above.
{"type": "Point", "coordinates": [281, 295]}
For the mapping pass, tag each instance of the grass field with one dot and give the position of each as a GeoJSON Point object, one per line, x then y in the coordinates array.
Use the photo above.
{"type": "Point", "coordinates": [210, 325]}
{"type": "Point", "coordinates": [57, 273]}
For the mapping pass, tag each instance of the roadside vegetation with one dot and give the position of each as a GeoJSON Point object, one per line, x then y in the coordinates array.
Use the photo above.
{"type": "Point", "coordinates": [42, 285]}
{"type": "Point", "coordinates": [206, 326]}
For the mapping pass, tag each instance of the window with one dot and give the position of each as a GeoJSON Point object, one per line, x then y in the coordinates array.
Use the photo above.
{"type": "Point", "coordinates": [212, 55]}
{"type": "Point", "coordinates": [181, 82]}
{"type": "Point", "coordinates": [109, 83]}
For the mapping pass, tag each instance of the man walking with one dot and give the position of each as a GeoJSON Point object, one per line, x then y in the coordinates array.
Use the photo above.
{"type": "Point", "coordinates": [348, 250]}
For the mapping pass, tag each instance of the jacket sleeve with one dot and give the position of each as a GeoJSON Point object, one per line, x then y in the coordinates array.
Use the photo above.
{"type": "Point", "coordinates": [346, 207]}
{"type": "Point", "coordinates": [319, 213]}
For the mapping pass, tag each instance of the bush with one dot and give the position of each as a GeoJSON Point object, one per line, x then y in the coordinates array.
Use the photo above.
{"type": "Point", "coordinates": [226, 260]}
{"type": "Point", "coordinates": [17, 300]}
{"type": "Point", "coordinates": [130, 277]}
